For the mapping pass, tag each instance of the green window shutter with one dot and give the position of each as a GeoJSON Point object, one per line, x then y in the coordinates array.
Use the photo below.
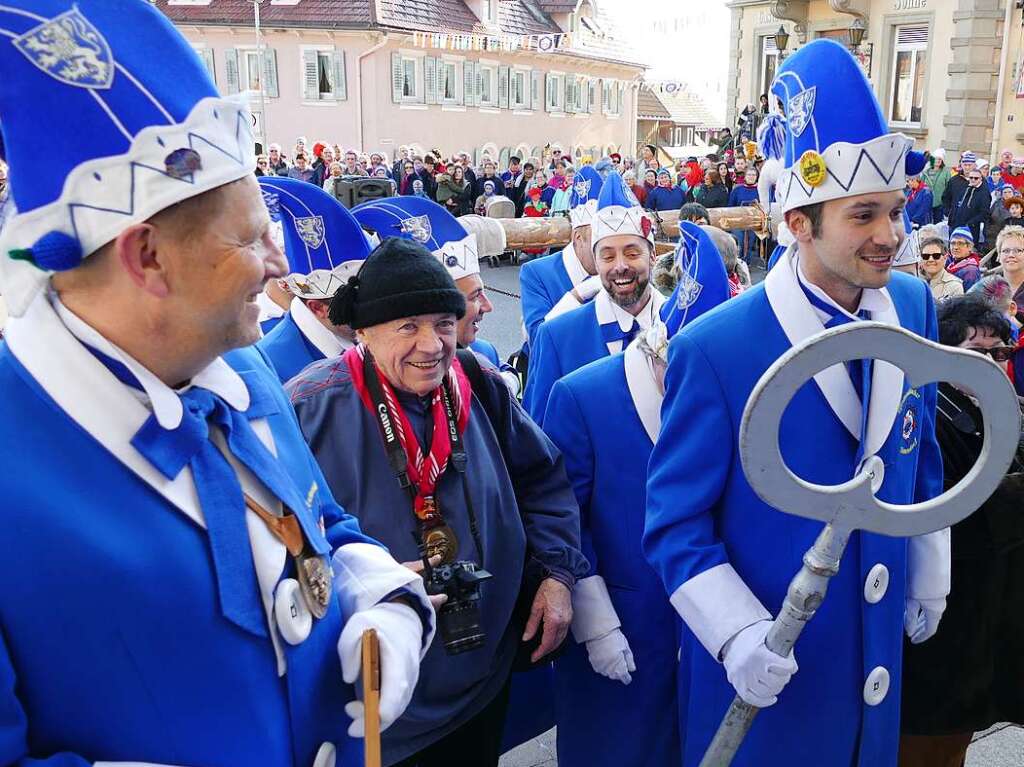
{"type": "Point", "coordinates": [231, 70]}
{"type": "Point", "coordinates": [430, 79]}
{"type": "Point", "coordinates": [535, 86]}
{"type": "Point", "coordinates": [503, 89]}
{"type": "Point", "coordinates": [310, 76]}
{"type": "Point", "coordinates": [592, 96]}
{"type": "Point", "coordinates": [570, 102]}
{"type": "Point", "coordinates": [468, 83]}
{"type": "Point", "coordinates": [270, 72]}
{"type": "Point", "coordinates": [397, 77]}
{"type": "Point", "coordinates": [207, 56]}
{"type": "Point", "coordinates": [339, 80]}
{"type": "Point", "coordinates": [604, 96]}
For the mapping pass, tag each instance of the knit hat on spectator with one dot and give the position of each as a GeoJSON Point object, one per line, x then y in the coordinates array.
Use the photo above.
{"type": "Point", "coordinates": [400, 278]}
{"type": "Point", "coordinates": [963, 233]}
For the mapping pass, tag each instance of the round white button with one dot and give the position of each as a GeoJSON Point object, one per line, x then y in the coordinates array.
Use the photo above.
{"type": "Point", "coordinates": [326, 756]}
{"type": "Point", "coordinates": [876, 687]}
{"type": "Point", "coordinates": [874, 466]}
{"type": "Point", "coordinates": [294, 620]}
{"type": "Point", "coordinates": [876, 584]}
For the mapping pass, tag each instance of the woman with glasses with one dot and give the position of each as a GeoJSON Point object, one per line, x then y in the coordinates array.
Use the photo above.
{"type": "Point", "coordinates": [933, 268]}
{"type": "Point", "coordinates": [1010, 245]}
{"type": "Point", "coordinates": [262, 166]}
{"type": "Point", "coordinates": [967, 676]}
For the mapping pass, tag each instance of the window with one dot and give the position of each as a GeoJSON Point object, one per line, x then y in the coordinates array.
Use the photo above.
{"type": "Point", "coordinates": [488, 77]}
{"type": "Point", "coordinates": [447, 85]}
{"type": "Point", "coordinates": [485, 7]}
{"type": "Point", "coordinates": [206, 54]}
{"type": "Point", "coordinates": [554, 92]}
{"type": "Point", "coordinates": [909, 63]}
{"type": "Point", "coordinates": [323, 74]}
{"type": "Point", "coordinates": [409, 83]}
{"type": "Point", "coordinates": [769, 63]}
{"type": "Point", "coordinates": [519, 82]}
{"type": "Point", "coordinates": [611, 97]}
{"type": "Point", "coordinates": [252, 71]}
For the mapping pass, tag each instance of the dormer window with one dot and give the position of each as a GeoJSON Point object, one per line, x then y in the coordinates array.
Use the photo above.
{"type": "Point", "coordinates": [489, 11]}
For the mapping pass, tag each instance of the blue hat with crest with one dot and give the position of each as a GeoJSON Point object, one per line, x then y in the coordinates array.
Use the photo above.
{"type": "Point", "coordinates": [586, 186]}
{"type": "Point", "coordinates": [830, 134]}
{"type": "Point", "coordinates": [127, 133]}
{"type": "Point", "coordinates": [426, 222]}
{"type": "Point", "coordinates": [703, 282]}
{"type": "Point", "coordinates": [619, 212]}
{"type": "Point", "coordinates": [324, 243]}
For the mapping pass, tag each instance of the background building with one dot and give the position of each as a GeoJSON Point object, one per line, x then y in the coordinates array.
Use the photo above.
{"type": "Point", "coordinates": [946, 72]}
{"type": "Point", "coordinates": [672, 117]}
{"type": "Point", "coordinates": [447, 74]}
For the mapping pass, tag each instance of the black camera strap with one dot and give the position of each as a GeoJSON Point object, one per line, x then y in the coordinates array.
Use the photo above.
{"type": "Point", "coordinates": [458, 462]}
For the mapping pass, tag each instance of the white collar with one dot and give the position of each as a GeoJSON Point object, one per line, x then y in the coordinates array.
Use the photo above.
{"type": "Point", "coordinates": [643, 388]}
{"type": "Point", "coordinates": [608, 311]}
{"type": "Point", "coordinates": [799, 321]}
{"type": "Point", "coordinates": [329, 343]}
{"type": "Point", "coordinates": [218, 377]}
{"type": "Point", "coordinates": [269, 309]}
{"type": "Point", "coordinates": [572, 265]}
{"type": "Point", "coordinates": [871, 300]}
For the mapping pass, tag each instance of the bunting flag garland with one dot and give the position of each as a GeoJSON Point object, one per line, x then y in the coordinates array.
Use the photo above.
{"type": "Point", "coordinates": [474, 42]}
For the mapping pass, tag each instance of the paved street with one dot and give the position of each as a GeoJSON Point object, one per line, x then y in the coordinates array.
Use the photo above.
{"type": "Point", "coordinates": [503, 326]}
{"type": "Point", "coordinates": [1001, 746]}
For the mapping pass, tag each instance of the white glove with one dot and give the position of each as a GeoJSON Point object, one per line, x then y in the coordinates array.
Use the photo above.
{"type": "Point", "coordinates": [400, 632]}
{"type": "Point", "coordinates": [921, 620]}
{"type": "Point", "coordinates": [610, 656]}
{"type": "Point", "coordinates": [757, 674]}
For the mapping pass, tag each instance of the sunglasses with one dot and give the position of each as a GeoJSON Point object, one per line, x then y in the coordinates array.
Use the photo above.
{"type": "Point", "coordinates": [932, 256]}
{"type": "Point", "coordinates": [998, 353]}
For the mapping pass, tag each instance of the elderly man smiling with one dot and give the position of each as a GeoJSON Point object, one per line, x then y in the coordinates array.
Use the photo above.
{"type": "Point", "coordinates": [437, 469]}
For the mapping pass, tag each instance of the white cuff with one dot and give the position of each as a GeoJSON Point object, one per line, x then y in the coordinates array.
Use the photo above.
{"type": "Point", "coordinates": [929, 565]}
{"type": "Point", "coordinates": [593, 614]}
{"type": "Point", "coordinates": [511, 381]}
{"type": "Point", "coordinates": [716, 604]}
{"type": "Point", "coordinates": [586, 290]}
{"type": "Point", "coordinates": [365, 574]}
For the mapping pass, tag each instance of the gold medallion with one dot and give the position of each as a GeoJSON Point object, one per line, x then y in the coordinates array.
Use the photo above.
{"type": "Point", "coordinates": [315, 576]}
{"type": "Point", "coordinates": [441, 541]}
{"type": "Point", "coordinates": [812, 168]}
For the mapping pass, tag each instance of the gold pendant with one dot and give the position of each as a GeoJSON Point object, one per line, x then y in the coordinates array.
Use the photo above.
{"type": "Point", "coordinates": [315, 580]}
{"type": "Point", "coordinates": [441, 541]}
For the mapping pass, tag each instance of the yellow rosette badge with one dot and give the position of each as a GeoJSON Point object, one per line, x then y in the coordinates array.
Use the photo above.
{"type": "Point", "coordinates": [812, 168]}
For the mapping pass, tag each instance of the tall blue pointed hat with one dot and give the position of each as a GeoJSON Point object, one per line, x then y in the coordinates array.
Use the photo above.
{"type": "Point", "coordinates": [324, 243]}
{"type": "Point", "coordinates": [703, 282]}
{"type": "Point", "coordinates": [127, 133]}
{"type": "Point", "coordinates": [830, 133]}
{"type": "Point", "coordinates": [586, 187]}
{"type": "Point", "coordinates": [619, 212]}
{"type": "Point", "coordinates": [426, 222]}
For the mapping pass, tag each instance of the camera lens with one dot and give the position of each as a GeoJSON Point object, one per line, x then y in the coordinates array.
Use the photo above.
{"type": "Point", "coordinates": [459, 624]}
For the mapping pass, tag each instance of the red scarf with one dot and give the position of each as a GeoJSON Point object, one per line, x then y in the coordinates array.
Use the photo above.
{"type": "Point", "coordinates": [956, 266]}
{"type": "Point", "coordinates": [423, 471]}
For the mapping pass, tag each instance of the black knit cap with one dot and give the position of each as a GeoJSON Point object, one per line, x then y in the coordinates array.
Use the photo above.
{"type": "Point", "coordinates": [400, 278]}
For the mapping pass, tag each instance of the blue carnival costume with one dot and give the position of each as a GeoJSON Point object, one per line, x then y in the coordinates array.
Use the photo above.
{"type": "Point", "coordinates": [544, 282]}
{"type": "Point", "coordinates": [601, 327]}
{"type": "Point", "coordinates": [605, 418]}
{"type": "Point", "coordinates": [325, 246]}
{"type": "Point", "coordinates": [724, 556]}
{"type": "Point", "coordinates": [151, 617]}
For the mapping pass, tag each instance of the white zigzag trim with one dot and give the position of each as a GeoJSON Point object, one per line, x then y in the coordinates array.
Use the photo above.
{"type": "Point", "coordinates": [878, 165]}
{"type": "Point", "coordinates": [464, 251]}
{"type": "Point", "coordinates": [617, 219]}
{"type": "Point", "coordinates": [583, 215]}
{"type": "Point", "coordinates": [102, 197]}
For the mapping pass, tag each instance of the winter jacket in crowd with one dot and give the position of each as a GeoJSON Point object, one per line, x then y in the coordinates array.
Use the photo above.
{"type": "Point", "coordinates": [716, 196]}
{"type": "Point", "coordinates": [662, 198]}
{"type": "Point", "coordinates": [742, 194]}
{"type": "Point", "coordinates": [919, 205]}
{"type": "Point", "coordinates": [971, 209]}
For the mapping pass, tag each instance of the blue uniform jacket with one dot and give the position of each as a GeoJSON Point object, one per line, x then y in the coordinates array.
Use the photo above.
{"type": "Point", "coordinates": [563, 345]}
{"type": "Point", "coordinates": [487, 350]}
{"type": "Point", "coordinates": [919, 207]}
{"type": "Point", "coordinates": [593, 418]}
{"type": "Point", "coordinates": [542, 283]}
{"type": "Point", "coordinates": [702, 514]}
{"type": "Point", "coordinates": [113, 646]}
{"type": "Point", "coordinates": [288, 349]}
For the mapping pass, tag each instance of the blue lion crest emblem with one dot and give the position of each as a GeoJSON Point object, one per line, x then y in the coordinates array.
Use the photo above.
{"type": "Point", "coordinates": [582, 189]}
{"type": "Point", "coordinates": [311, 230]}
{"type": "Point", "coordinates": [418, 228]}
{"type": "Point", "coordinates": [70, 49]}
{"type": "Point", "coordinates": [800, 109]}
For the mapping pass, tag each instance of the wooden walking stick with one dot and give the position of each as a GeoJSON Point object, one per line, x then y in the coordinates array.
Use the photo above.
{"type": "Point", "coordinates": [371, 696]}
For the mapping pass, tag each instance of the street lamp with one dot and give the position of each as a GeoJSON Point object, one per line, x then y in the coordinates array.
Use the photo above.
{"type": "Point", "coordinates": [857, 31]}
{"type": "Point", "coordinates": [263, 73]}
{"type": "Point", "coordinates": [781, 41]}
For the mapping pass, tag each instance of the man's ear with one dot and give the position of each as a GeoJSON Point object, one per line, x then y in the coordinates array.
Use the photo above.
{"type": "Point", "coordinates": [320, 308]}
{"type": "Point", "coordinates": [799, 224]}
{"type": "Point", "coordinates": [144, 256]}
